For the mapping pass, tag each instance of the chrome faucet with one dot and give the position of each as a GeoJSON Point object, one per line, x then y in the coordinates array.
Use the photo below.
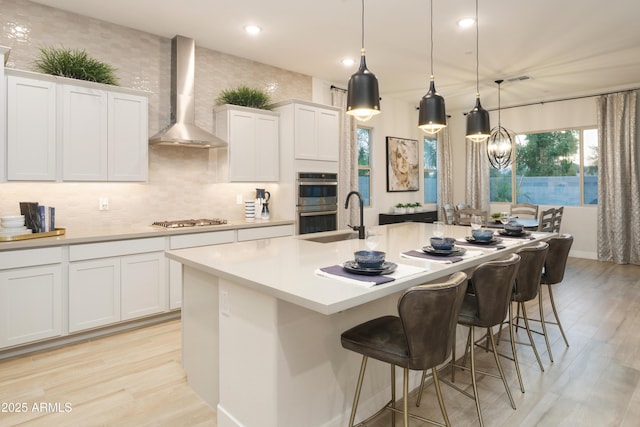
{"type": "Point", "coordinates": [360, 228]}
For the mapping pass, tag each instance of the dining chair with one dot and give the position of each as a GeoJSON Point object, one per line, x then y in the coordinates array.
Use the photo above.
{"type": "Point", "coordinates": [464, 215]}
{"type": "Point", "coordinates": [557, 219]}
{"type": "Point", "coordinates": [419, 338]}
{"type": "Point", "coordinates": [485, 305]}
{"type": "Point", "coordinates": [545, 223]}
{"type": "Point", "coordinates": [449, 212]}
{"type": "Point", "coordinates": [525, 210]}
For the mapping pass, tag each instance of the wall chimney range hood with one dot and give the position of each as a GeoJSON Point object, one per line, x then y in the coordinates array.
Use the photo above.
{"type": "Point", "coordinates": [182, 130]}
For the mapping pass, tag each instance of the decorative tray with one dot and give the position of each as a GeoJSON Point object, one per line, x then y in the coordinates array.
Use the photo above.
{"type": "Point", "coordinates": [56, 232]}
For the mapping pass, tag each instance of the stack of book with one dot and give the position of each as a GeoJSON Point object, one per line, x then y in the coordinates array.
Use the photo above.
{"type": "Point", "coordinates": [38, 218]}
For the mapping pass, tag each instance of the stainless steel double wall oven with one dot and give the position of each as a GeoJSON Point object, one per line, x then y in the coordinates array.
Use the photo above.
{"type": "Point", "coordinates": [317, 202]}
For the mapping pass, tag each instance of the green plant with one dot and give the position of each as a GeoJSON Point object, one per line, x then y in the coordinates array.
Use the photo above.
{"type": "Point", "coordinates": [75, 64]}
{"type": "Point", "coordinates": [245, 96]}
{"type": "Point", "coordinates": [401, 205]}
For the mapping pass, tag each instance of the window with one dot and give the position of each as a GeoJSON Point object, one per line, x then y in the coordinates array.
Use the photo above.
{"type": "Point", "coordinates": [364, 164]}
{"type": "Point", "coordinates": [430, 170]}
{"type": "Point", "coordinates": [549, 169]}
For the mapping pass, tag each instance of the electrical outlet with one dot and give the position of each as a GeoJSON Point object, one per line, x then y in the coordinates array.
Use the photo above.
{"type": "Point", "coordinates": [103, 203]}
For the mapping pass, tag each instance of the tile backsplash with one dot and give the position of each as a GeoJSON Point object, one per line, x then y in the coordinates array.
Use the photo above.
{"type": "Point", "coordinates": [182, 181]}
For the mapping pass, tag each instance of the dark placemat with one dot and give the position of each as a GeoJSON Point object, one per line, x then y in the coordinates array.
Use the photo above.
{"type": "Point", "coordinates": [494, 245]}
{"type": "Point", "coordinates": [338, 270]}
{"type": "Point", "coordinates": [420, 254]}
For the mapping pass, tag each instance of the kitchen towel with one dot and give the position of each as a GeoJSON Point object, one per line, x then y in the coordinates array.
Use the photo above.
{"type": "Point", "coordinates": [339, 273]}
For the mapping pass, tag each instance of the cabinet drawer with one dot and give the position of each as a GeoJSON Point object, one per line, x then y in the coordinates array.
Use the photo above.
{"type": "Point", "coordinates": [202, 239]}
{"type": "Point", "coordinates": [264, 232]}
{"type": "Point", "coordinates": [117, 248]}
{"type": "Point", "coordinates": [30, 257]}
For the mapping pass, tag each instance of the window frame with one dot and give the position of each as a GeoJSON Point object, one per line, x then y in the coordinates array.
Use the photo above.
{"type": "Point", "coordinates": [368, 202]}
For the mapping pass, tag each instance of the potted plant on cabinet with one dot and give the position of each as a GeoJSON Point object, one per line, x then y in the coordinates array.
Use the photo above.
{"type": "Point", "coordinates": [400, 208]}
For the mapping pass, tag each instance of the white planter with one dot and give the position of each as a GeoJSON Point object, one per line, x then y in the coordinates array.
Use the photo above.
{"type": "Point", "coordinates": [400, 210]}
{"type": "Point", "coordinates": [411, 210]}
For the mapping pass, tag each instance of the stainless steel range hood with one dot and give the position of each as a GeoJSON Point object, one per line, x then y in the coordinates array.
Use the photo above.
{"type": "Point", "coordinates": [182, 129]}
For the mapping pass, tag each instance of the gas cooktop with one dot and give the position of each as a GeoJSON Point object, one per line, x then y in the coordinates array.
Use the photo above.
{"type": "Point", "coordinates": [190, 223]}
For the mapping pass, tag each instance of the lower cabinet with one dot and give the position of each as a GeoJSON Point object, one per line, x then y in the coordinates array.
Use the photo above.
{"type": "Point", "coordinates": [30, 296]}
{"type": "Point", "coordinates": [110, 289]}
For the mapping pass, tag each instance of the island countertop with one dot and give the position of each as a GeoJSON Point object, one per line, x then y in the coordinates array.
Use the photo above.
{"type": "Point", "coordinates": [285, 267]}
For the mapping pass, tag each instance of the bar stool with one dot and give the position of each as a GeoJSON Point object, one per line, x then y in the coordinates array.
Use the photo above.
{"type": "Point", "coordinates": [486, 306]}
{"type": "Point", "coordinates": [526, 289]}
{"type": "Point", "coordinates": [554, 266]}
{"type": "Point", "coordinates": [420, 338]}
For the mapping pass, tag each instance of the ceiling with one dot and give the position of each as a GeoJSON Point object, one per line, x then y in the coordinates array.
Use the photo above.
{"type": "Point", "coordinates": [566, 48]}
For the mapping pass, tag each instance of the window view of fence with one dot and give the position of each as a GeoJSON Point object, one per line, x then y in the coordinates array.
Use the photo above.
{"type": "Point", "coordinates": [551, 168]}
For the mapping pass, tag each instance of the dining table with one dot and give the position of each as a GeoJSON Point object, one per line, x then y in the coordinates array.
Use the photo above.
{"type": "Point", "coordinates": [261, 319]}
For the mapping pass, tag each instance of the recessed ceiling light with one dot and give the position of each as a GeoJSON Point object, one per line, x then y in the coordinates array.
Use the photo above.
{"type": "Point", "coordinates": [348, 62]}
{"type": "Point", "coordinates": [252, 29]}
{"type": "Point", "coordinates": [466, 22]}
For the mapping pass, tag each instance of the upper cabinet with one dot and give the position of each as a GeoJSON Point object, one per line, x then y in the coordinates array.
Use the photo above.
{"type": "Point", "coordinates": [314, 128]}
{"type": "Point", "coordinates": [81, 131]}
{"type": "Point", "coordinates": [253, 153]}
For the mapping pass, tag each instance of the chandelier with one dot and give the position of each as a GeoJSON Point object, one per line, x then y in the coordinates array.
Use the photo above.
{"type": "Point", "coordinates": [500, 143]}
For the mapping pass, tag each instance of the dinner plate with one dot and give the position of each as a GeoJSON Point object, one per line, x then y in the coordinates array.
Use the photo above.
{"type": "Point", "coordinates": [514, 234]}
{"type": "Point", "coordinates": [492, 241]}
{"type": "Point", "coordinates": [353, 267]}
{"type": "Point", "coordinates": [444, 252]}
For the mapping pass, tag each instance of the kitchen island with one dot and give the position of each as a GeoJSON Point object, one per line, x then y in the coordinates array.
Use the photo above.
{"type": "Point", "coordinates": [261, 329]}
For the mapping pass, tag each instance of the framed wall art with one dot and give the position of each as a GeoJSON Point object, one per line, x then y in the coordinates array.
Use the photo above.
{"type": "Point", "coordinates": [402, 164]}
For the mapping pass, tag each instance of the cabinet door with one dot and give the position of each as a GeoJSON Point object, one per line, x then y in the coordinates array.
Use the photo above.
{"type": "Point", "coordinates": [31, 129]}
{"type": "Point", "coordinates": [175, 284]}
{"type": "Point", "coordinates": [128, 138]}
{"type": "Point", "coordinates": [144, 288]}
{"type": "Point", "coordinates": [328, 135]}
{"type": "Point", "coordinates": [266, 148]}
{"type": "Point", "coordinates": [30, 304]}
{"type": "Point", "coordinates": [242, 158]}
{"type": "Point", "coordinates": [305, 146]}
{"type": "Point", "coordinates": [94, 293]}
{"type": "Point", "coordinates": [84, 134]}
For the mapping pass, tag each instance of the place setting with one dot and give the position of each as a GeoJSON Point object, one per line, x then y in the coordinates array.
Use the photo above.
{"type": "Point", "coordinates": [443, 250]}
{"type": "Point", "coordinates": [514, 230]}
{"type": "Point", "coordinates": [482, 237]}
{"type": "Point", "coordinates": [369, 268]}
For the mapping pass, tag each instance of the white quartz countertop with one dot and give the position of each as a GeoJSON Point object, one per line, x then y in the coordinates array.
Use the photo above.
{"type": "Point", "coordinates": [285, 267]}
{"type": "Point", "coordinates": [105, 234]}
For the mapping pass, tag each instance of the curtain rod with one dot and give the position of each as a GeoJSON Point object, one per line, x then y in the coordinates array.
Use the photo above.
{"type": "Point", "coordinates": [333, 87]}
{"type": "Point", "coordinates": [563, 99]}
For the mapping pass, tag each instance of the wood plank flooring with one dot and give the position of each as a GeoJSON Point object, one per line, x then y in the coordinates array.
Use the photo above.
{"type": "Point", "coordinates": [136, 379]}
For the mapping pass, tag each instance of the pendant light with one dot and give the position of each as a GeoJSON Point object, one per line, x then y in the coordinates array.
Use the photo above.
{"type": "Point", "coordinates": [478, 127]}
{"type": "Point", "coordinates": [432, 117]}
{"type": "Point", "coordinates": [363, 98]}
{"type": "Point", "coordinates": [500, 144]}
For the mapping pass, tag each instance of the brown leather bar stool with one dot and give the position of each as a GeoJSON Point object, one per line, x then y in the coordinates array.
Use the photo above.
{"type": "Point", "coordinates": [420, 338]}
{"type": "Point", "coordinates": [486, 306]}
{"type": "Point", "coordinates": [554, 266]}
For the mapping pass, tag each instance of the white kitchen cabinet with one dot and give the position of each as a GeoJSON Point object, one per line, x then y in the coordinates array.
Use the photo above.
{"type": "Point", "coordinates": [31, 129]}
{"type": "Point", "coordinates": [256, 233]}
{"type": "Point", "coordinates": [116, 281]}
{"type": "Point", "coordinates": [4, 56]}
{"type": "Point", "coordinates": [30, 296]}
{"type": "Point", "coordinates": [252, 154]}
{"type": "Point", "coordinates": [314, 129]}
{"type": "Point", "coordinates": [94, 293]}
{"type": "Point", "coordinates": [80, 131]}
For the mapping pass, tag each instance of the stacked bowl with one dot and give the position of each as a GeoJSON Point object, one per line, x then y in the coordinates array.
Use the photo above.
{"type": "Point", "coordinates": [13, 225]}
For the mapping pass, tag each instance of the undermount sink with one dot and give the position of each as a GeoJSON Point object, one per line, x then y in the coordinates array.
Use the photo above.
{"type": "Point", "coordinates": [333, 237]}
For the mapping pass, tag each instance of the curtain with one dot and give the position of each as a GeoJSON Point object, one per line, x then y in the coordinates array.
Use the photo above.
{"type": "Point", "coordinates": [347, 161]}
{"type": "Point", "coordinates": [445, 173]}
{"type": "Point", "coordinates": [618, 179]}
{"type": "Point", "coordinates": [477, 188]}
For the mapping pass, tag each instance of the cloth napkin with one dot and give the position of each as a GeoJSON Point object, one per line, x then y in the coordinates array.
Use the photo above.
{"type": "Point", "coordinates": [528, 237]}
{"type": "Point", "coordinates": [339, 273]}
{"type": "Point", "coordinates": [420, 254]}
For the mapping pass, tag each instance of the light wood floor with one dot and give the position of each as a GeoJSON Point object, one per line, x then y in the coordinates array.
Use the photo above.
{"type": "Point", "coordinates": [135, 378]}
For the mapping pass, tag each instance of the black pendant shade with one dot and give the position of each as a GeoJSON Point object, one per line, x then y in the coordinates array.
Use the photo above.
{"type": "Point", "coordinates": [432, 116]}
{"type": "Point", "coordinates": [363, 97]}
{"type": "Point", "coordinates": [478, 127]}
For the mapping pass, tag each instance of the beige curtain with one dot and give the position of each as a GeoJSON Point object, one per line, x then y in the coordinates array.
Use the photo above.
{"type": "Point", "coordinates": [618, 179]}
{"type": "Point", "coordinates": [477, 188]}
{"type": "Point", "coordinates": [347, 163]}
{"type": "Point", "coordinates": [445, 174]}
